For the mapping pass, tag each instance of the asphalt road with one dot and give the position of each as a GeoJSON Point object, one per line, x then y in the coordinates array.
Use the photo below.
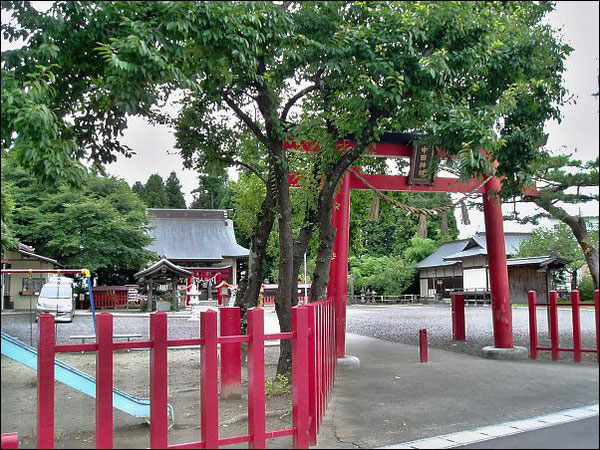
{"type": "Point", "coordinates": [400, 323]}
{"type": "Point", "coordinates": [578, 434]}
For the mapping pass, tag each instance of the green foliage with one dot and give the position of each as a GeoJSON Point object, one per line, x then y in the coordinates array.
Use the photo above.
{"type": "Point", "coordinates": [138, 188]}
{"type": "Point", "coordinates": [561, 241]}
{"type": "Point", "coordinates": [7, 205]}
{"type": "Point", "coordinates": [100, 226]}
{"type": "Point", "coordinates": [155, 194]}
{"type": "Point", "coordinates": [213, 192]}
{"type": "Point", "coordinates": [586, 288]}
{"type": "Point", "coordinates": [280, 385]}
{"type": "Point", "coordinates": [387, 275]}
{"type": "Point", "coordinates": [175, 197]}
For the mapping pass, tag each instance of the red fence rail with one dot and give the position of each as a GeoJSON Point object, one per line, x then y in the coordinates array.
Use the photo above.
{"type": "Point", "coordinates": [111, 297]}
{"type": "Point", "coordinates": [313, 371]}
{"type": "Point", "coordinates": [552, 306]}
{"type": "Point", "coordinates": [9, 440]}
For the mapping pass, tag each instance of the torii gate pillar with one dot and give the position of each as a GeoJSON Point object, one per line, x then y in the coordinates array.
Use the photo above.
{"type": "Point", "coordinates": [338, 270]}
{"type": "Point", "coordinates": [496, 249]}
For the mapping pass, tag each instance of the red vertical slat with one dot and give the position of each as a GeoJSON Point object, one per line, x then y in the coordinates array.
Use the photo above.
{"type": "Point", "coordinates": [45, 381]}
{"type": "Point", "coordinates": [575, 310]}
{"type": "Point", "coordinates": [158, 380]}
{"type": "Point", "coordinates": [554, 339]}
{"type": "Point", "coordinates": [9, 440]}
{"type": "Point", "coordinates": [312, 373]}
{"type": "Point", "coordinates": [231, 354]}
{"type": "Point", "coordinates": [209, 384]}
{"type": "Point", "coordinates": [319, 365]}
{"type": "Point", "coordinates": [300, 375]}
{"type": "Point", "coordinates": [597, 311]}
{"type": "Point", "coordinates": [458, 317]}
{"type": "Point", "coordinates": [256, 377]}
{"type": "Point", "coordinates": [104, 381]}
{"type": "Point", "coordinates": [533, 333]}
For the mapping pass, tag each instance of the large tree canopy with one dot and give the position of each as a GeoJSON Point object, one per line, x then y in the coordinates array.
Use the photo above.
{"type": "Point", "coordinates": [100, 225]}
{"type": "Point", "coordinates": [470, 75]}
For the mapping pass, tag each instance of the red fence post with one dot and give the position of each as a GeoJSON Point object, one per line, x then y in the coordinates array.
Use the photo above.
{"type": "Point", "coordinates": [209, 383]}
{"type": "Point", "coordinates": [231, 354]}
{"type": "Point", "coordinates": [458, 317]}
{"type": "Point", "coordinates": [312, 374]}
{"type": "Point", "coordinates": [423, 350]}
{"type": "Point", "coordinates": [575, 309]}
{"type": "Point", "coordinates": [554, 339]}
{"type": "Point", "coordinates": [300, 376]}
{"type": "Point", "coordinates": [596, 311]}
{"type": "Point", "coordinates": [9, 440]}
{"type": "Point", "coordinates": [256, 377]}
{"type": "Point", "coordinates": [45, 381]}
{"type": "Point", "coordinates": [104, 381]}
{"type": "Point", "coordinates": [533, 332]}
{"type": "Point", "coordinates": [158, 380]}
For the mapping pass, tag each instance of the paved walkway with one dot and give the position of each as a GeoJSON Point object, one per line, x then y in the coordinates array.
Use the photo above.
{"type": "Point", "coordinates": [393, 398]}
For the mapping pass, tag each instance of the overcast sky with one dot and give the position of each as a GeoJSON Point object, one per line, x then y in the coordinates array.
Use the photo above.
{"type": "Point", "coordinates": [578, 132]}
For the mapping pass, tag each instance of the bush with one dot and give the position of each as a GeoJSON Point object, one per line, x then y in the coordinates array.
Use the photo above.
{"type": "Point", "coordinates": [586, 288]}
{"type": "Point", "coordinates": [277, 386]}
{"type": "Point", "coordinates": [387, 275]}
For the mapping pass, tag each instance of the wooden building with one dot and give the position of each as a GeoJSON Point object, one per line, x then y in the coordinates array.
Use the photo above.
{"type": "Point", "coordinates": [20, 291]}
{"type": "Point", "coordinates": [462, 266]}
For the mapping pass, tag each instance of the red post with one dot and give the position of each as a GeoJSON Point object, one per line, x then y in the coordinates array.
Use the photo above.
{"type": "Point", "coordinates": [338, 272]}
{"type": "Point", "coordinates": [104, 381]}
{"type": "Point", "coordinates": [312, 375]}
{"type": "Point", "coordinates": [533, 332]}
{"type": "Point", "coordinates": [423, 349]}
{"type": "Point", "coordinates": [496, 249]}
{"type": "Point", "coordinates": [45, 381]}
{"type": "Point", "coordinates": [209, 385]}
{"type": "Point", "coordinates": [596, 310]}
{"type": "Point", "coordinates": [10, 440]}
{"type": "Point", "coordinates": [158, 380]}
{"type": "Point", "coordinates": [231, 354]}
{"type": "Point", "coordinates": [300, 376]}
{"type": "Point", "coordinates": [256, 377]}
{"type": "Point", "coordinates": [458, 316]}
{"type": "Point", "coordinates": [554, 325]}
{"type": "Point", "coordinates": [575, 311]}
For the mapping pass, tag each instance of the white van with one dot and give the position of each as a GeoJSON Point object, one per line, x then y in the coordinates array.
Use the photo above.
{"type": "Point", "coordinates": [56, 298]}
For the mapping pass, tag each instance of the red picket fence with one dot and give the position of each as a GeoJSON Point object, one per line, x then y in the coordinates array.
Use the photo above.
{"type": "Point", "coordinates": [110, 297]}
{"type": "Point", "coordinates": [552, 306]}
{"type": "Point", "coordinates": [313, 371]}
{"type": "Point", "coordinates": [9, 440]}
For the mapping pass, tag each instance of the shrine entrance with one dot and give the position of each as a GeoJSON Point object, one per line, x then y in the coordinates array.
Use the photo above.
{"type": "Point", "coordinates": [394, 145]}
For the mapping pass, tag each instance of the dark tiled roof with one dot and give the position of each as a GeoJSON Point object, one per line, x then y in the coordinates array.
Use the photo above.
{"type": "Point", "coordinates": [163, 266]}
{"type": "Point", "coordinates": [193, 234]}
{"type": "Point", "coordinates": [452, 252]}
{"type": "Point", "coordinates": [446, 249]}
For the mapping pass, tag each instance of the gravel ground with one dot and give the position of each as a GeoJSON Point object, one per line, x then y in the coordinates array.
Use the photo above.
{"type": "Point", "coordinates": [402, 323]}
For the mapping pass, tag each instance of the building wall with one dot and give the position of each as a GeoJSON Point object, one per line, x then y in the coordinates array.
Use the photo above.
{"type": "Point", "coordinates": [21, 300]}
{"type": "Point", "coordinates": [523, 279]}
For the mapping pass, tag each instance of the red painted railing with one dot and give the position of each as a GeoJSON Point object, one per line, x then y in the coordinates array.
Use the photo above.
{"type": "Point", "coordinates": [9, 440]}
{"type": "Point", "coordinates": [313, 372]}
{"type": "Point", "coordinates": [269, 300]}
{"type": "Point", "coordinates": [110, 297]}
{"type": "Point", "coordinates": [552, 306]}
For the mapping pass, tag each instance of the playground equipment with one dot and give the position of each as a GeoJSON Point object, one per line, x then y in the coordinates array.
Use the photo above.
{"type": "Point", "coordinates": [78, 380]}
{"type": "Point", "coordinates": [552, 306]}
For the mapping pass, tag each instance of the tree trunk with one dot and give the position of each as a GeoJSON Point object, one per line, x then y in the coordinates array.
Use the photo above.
{"type": "Point", "coordinates": [300, 248]}
{"type": "Point", "coordinates": [250, 286]}
{"type": "Point", "coordinates": [283, 296]}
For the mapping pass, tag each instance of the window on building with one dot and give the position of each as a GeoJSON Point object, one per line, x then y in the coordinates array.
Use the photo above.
{"type": "Point", "coordinates": [32, 285]}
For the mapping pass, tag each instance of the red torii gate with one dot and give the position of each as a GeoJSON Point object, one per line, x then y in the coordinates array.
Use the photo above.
{"type": "Point", "coordinates": [400, 146]}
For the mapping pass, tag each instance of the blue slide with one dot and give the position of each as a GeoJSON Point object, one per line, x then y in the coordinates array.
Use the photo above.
{"type": "Point", "coordinates": [78, 380]}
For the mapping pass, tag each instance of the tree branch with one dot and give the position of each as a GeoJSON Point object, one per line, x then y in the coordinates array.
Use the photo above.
{"type": "Point", "coordinates": [247, 120]}
{"type": "Point", "coordinates": [294, 99]}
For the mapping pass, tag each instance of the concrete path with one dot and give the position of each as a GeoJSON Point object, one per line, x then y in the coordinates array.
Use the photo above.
{"type": "Point", "coordinates": [393, 398]}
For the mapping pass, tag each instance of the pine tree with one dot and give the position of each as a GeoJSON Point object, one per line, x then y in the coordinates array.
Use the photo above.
{"type": "Point", "coordinates": [155, 194]}
{"type": "Point", "coordinates": [175, 197]}
{"type": "Point", "coordinates": [138, 188]}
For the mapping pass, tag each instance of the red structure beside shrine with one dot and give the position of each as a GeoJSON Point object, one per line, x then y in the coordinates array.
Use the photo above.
{"type": "Point", "coordinates": [400, 146]}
